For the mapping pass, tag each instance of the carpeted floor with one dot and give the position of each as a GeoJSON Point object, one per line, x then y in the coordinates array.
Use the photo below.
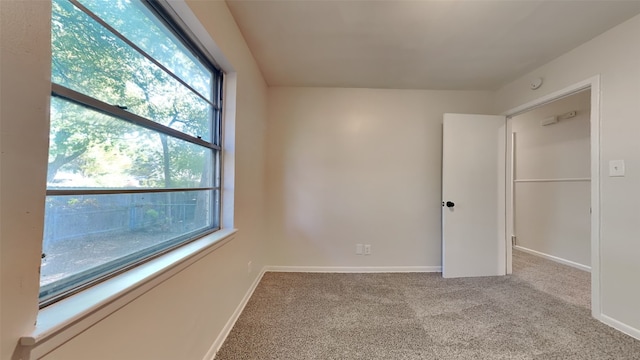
{"type": "Point", "coordinates": [567, 283]}
{"type": "Point", "coordinates": [420, 316]}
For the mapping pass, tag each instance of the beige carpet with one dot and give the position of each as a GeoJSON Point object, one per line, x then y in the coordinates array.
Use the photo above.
{"type": "Point", "coordinates": [420, 316]}
{"type": "Point", "coordinates": [567, 283]}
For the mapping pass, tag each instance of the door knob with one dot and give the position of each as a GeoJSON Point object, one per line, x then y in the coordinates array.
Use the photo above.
{"type": "Point", "coordinates": [450, 204]}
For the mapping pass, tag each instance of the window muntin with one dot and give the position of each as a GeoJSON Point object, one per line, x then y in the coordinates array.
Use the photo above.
{"type": "Point", "coordinates": [134, 168]}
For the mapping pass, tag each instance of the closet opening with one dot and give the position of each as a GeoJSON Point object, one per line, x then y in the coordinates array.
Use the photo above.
{"type": "Point", "coordinates": [550, 179]}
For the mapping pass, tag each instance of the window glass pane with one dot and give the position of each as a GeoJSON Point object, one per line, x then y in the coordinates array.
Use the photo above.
{"type": "Point", "coordinates": [88, 149]}
{"type": "Point", "coordinates": [136, 22]}
{"type": "Point", "coordinates": [89, 59]}
{"type": "Point", "coordinates": [86, 236]}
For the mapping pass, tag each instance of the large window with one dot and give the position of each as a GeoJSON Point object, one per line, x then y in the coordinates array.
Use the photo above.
{"type": "Point", "coordinates": [135, 142]}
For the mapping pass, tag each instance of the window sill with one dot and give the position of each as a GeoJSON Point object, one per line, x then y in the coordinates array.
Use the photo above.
{"type": "Point", "coordinates": [62, 321]}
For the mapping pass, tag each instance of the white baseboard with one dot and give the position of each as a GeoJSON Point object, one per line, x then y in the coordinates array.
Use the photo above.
{"type": "Point", "coordinates": [355, 269]}
{"type": "Point", "coordinates": [622, 327]}
{"type": "Point", "coordinates": [232, 320]}
{"type": "Point", "coordinates": [554, 258]}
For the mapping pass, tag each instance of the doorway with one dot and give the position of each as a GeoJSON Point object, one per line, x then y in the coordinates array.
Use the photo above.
{"type": "Point", "coordinates": [550, 182]}
{"type": "Point", "coordinates": [592, 85]}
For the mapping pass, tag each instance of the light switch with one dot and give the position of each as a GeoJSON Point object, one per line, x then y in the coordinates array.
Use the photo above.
{"type": "Point", "coordinates": [616, 167]}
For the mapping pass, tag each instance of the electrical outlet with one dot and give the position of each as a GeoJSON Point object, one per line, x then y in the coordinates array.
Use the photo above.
{"type": "Point", "coordinates": [358, 249]}
{"type": "Point", "coordinates": [249, 267]}
{"type": "Point", "coordinates": [367, 249]}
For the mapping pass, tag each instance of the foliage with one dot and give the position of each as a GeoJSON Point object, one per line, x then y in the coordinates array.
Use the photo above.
{"type": "Point", "coordinates": [88, 148]}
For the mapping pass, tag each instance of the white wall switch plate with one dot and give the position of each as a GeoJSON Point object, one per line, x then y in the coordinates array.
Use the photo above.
{"type": "Point", "coordinates": [358, 249]}
{"type": "Point", "coordinates": [367, 249]}
{"type": "Point", "coordinates": [616, 167]}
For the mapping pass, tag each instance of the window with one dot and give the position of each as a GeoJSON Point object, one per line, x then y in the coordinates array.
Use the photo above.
{"type": "Point", "coordinates": [135, 142]}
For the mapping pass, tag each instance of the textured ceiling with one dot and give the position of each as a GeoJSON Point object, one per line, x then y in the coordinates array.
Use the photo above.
{"type": "Point", "coordinates": [445, 44]}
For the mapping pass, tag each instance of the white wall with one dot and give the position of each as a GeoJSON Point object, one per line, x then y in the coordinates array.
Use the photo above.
{"type": "Point", "coordinates": [178, 319]}
{"type": "Point", "coordinates": [615, 55]}
{"type": "Point", "coordinates": [553, 217]}
{"type": "Point", "coordinates": [349, 166]}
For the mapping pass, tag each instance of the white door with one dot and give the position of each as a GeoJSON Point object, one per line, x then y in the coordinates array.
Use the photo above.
{"type": "Point", "coordinates": [473, 195]}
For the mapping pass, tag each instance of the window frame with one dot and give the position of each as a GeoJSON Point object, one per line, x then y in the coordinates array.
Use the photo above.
{"type": "Point", "coordinates": [215, 146]}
